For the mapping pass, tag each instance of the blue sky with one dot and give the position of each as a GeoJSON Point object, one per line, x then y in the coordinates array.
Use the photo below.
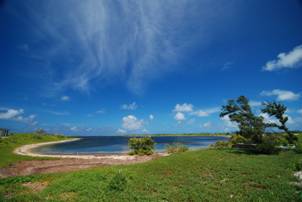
{"type": "Point", "coordinates": [118, 67]}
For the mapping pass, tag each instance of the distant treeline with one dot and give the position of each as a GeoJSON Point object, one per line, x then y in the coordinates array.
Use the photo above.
{"type": "Point", "coordinates": [185, 134]}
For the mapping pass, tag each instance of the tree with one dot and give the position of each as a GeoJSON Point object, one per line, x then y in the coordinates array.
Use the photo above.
{"type": "Point", "coordinates": [40, 131]}
{"type": "Point", "coordinates": [250, 126]}
{"type": "Point", "coordinates": [274, 109]}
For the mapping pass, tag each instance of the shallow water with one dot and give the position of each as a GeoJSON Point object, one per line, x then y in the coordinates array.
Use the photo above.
{"type": "Point", "coordinates": [119, 144]}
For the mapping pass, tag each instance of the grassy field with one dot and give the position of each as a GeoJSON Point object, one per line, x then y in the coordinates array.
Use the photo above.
{"type": "Point", "coordinates": [7, 145]}
{"type": "Point", "coordinates": [204, 175]}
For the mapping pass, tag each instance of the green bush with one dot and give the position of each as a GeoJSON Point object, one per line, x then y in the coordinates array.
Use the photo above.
{"type": "Point", "coordinates": [281, 140]}
{"type": "Point", "coordinates": [235, 139]}
{"type": "Point", "coordinates": [118, 182]}
{"type": "Point", "coordinates": [141, 146]}
{"type": "Point", "coordinates": [268, 145]}
{"type": "Point", "coordinates": [176, 148]}
{"type": "Point", "coordinates": [222, 145]}
{"type": "Point", "coordinates": [298, 147]}
{"type": "Point", "coordinates": [298, 165]}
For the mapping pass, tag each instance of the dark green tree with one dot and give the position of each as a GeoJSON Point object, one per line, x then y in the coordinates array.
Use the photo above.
{"type": "Point", "coordinates": [277, 110]}
{"type": "Point", "coordinates": [250, 126]}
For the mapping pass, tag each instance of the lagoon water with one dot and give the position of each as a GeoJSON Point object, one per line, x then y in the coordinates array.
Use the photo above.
{"type": "Point", "coordinates": [119, 144]}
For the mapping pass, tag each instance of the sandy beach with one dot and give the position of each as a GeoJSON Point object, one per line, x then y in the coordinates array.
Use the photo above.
{"type": "Point", "coordinates": [26, 150]}
{"type": "Point", "coordinates": [66, 163]}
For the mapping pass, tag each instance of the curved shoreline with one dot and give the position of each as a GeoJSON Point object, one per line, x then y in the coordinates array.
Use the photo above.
{"type": "Point", "coordinates": [26, 150]}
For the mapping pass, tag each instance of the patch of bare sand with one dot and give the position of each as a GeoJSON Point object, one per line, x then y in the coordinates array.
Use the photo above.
{"type": "Point", "coordinates": [67, 164]}
{"type": "Point", "coordinates": [36, 186]}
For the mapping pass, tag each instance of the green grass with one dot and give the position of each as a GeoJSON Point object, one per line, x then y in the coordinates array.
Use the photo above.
{"type": "Point", "coordinates": [204, 175]}
{"type": "Point", "coordinates": [7, 146]}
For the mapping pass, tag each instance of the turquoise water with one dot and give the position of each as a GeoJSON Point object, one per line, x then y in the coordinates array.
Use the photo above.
{"type": "Point", "coordinates": [119, 144]}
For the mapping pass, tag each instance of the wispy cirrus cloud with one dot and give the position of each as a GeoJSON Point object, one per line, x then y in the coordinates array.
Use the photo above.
{"type": "Point", "coordinates": [58, 113]}
{"type": "Point", "coordinates": [131, 106]}
{"type": "Point", "coordinates": [107, 41]}
{"type": "Point", "coordinates": [65, 98]}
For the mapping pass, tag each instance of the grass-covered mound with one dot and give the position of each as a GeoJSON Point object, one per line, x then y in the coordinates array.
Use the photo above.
{"type": "Point", "coordinates": [204, 175]}
{"type": "Point", "coordinates": [8, 144]}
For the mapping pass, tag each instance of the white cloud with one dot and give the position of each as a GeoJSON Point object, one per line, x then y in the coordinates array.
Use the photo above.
{"type": "Point", "coordinates": [226, 66]}
{"type": "Point", "coordinates": [121, 131]}
{"type": "Point", "coordinates": [206, 112]}
{"type": "Point", "coordinates": [229, 125]}
{"type": "Point", "coordinates": [130, 122]}
{"type": "Point", "coordinates": [10, 113]}
{"type": "Point", "coordinates": [65, 98]}
{"type": "Point", "coordinates": [300, 111]}
{"type": "Point", "coordinates": [120, 40]}
{"type": "Point", "coordinates": [101, 111]}
{"type": "Point", "coordinates": [151, 117]}
{"type": "Point", "coordinates": [131, 106]}
{"type": "Point", "coordinates": [292, 59]}
{"type": "Point", "coordinates": [271, 119]}
{"type": "Point", "coordinates": [282, 95]}
{"type": "Point", "coordinates": [64, 113]}
{"type": "Point", "coordinates": [183, 107]}
{"type": "Point", "coordinates": [255, 103]}
{"type": "Point", "coordinates": [17, 115]}
{"type": "Point", "coordinates": [268, 119]}
{"type": "Point", "coordinates": [179, 116]}
{"type": "Point", "coordinates": [74, 128]}
{"type": "Point", "coordinates": [207, 124]}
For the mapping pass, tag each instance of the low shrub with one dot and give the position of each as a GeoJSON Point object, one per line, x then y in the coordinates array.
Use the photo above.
{"type": "Point", "coordinates": [268, 145]}
{"type": "Point", "coordinates": [298, 165]}
{"type": "Point", "coordinates": [141, 146]}
{"type": "Point", "coordinates": [222, 145]}
{"type": "Point", "coordinates": [236, 139]}
{"type": "Point", "coordinates": [118, 182]}
{"type": "Point", "coordinates": [176, 148]}
{"type": "Point", "coordinates": [298, 147]}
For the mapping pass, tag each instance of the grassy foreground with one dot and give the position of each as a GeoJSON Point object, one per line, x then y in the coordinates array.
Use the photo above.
{"type": "Point", "coordinates": [7, 146]}
{"type": "Point", "coordinates": [204, 175]}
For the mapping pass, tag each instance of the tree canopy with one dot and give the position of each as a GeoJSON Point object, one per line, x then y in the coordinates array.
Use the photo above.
{"type": "Point", "coordinates": [239, 111]}
{"type": "Point", "coordinates": [251, 126]}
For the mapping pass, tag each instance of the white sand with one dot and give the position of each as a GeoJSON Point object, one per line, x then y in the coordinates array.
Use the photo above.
{"type": "Point", "coordinates": [26, 150]}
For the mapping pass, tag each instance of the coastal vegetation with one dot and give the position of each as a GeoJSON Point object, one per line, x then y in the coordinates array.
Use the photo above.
{"type": "Point", "coordinates": [188, 134]}
{"type": "Point", "coordinates": [201, 175]}
{"type": "Point", "coordinates": [252, 165]}
{"type": "Point", "coordinates": [176, 148]}
{"type": "Point", "coordinates": [8, 144]}
{"type": "Point", "coordinates": [141, 146]}
{"type": "Point", "coordinates": [252, 134]}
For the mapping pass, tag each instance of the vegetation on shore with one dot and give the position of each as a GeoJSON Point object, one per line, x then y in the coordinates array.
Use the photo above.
{"type": "Point", "coordinates": [141, 146]}
{"type": "Point", "coordinates": [252, 134]}
{"type": "Point", "coordinates": [203, 175]}
{"type": "Point", "coordinates": [8, 144]}
{"type": "Point", "coordinates": [186, 134]}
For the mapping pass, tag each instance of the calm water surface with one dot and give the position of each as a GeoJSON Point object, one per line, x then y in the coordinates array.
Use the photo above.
{"type": "Point", "coordinates": [119, 144]}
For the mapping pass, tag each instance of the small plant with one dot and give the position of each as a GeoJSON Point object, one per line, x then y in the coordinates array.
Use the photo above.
{"type": "Point", "coordinates": [176, 148]}
{"type": "Point", "coordinates": [118, 182]}
{"type": "Point", "coordinates": [298, 147]}
{"type": "Point", "coordinates": [268, 145]}
{"type": "Point", "coordinates": [236, 139]}
{"type": "Point", "coordinates": [298, 165]}
{"type": "Point", "coordinates": [222, 145]}
{"type": "Point", "coordinates": [141, 146]}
